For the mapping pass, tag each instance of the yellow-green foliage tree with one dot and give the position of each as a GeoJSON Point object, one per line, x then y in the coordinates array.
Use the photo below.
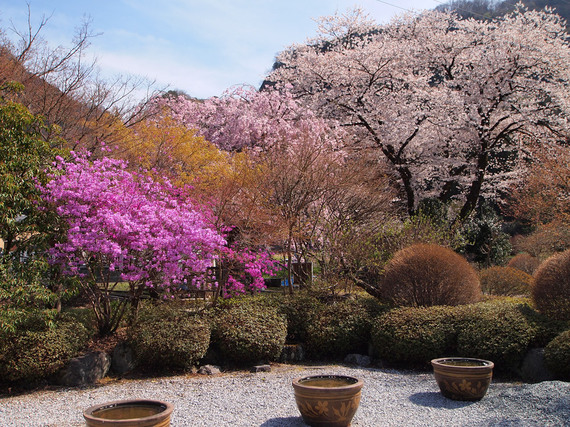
{"type": "Point", "coordinates": [228, 181]}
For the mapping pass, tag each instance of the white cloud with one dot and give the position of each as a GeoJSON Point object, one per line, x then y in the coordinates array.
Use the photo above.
{"type": "Point", "coordinates": [196, 80]}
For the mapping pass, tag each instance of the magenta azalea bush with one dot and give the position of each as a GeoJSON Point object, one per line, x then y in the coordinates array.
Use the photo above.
{"type": "Point", "coordinates": [149, 231]}
{"type": "Point", "coordinates": [246, 269]}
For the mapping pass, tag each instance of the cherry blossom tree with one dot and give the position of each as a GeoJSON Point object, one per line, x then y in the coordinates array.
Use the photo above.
{"type": "Point", "coordinates": [244, 118]}
{"type": "Point", "coordinates": [149, 231]}
{"type": "Point", "coordinates": [449, 103]}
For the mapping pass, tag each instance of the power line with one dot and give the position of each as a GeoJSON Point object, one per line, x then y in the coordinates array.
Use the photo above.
{"type": "Point", "coordinates": [399, 7]}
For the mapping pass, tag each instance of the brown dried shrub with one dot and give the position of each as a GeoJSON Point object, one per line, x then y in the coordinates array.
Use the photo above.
{"type": "Point", "coordinates": [428, 275]}
{"type": "Point", "coordinates": [550, 290]}
{"type": "Point", "coordinates": [545, 241]}
{"type": "Point", "coordinates": [524, 262]}
{"type": "Point", "coordinates": [505, 281]}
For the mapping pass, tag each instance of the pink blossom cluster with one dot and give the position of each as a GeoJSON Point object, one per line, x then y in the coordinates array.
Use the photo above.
{"type": "Point", "coordinates": [151, 232]}
{"type": "Point", "coordinates": [247, 267]}
{"type": "Point", "coordinates": [244, 118]}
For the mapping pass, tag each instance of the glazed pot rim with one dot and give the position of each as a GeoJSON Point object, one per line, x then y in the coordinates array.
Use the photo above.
{"type": "Point", "coordinates": [302, 381]}
{"type": "Point", "coordinates": [167, 409]}
{"type": "Point", "coordinates": [481, 363]}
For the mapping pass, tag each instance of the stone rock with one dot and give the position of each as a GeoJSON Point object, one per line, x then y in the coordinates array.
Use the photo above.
{"type": "Point", "coordinates": [358, 360]}
{"type": "Point", "coordinates": [533, 369]}
{"type": "Point", "coordinates": [123, 359]}
{"type": "Point", "coordinates": [292, 353]}
{"type": "Point", "coordinates": [209, 370]}
{"type": "Point", "coordinates": [261, 368]}
{"type": "Point", "coordinates": [212, 356]}
{"type": "Point", "coordinates": [85, 370]}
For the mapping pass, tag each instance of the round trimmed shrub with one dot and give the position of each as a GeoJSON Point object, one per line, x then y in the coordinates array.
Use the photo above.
{"type": "Point", "coordinates": [249, 333]}
{"type": "Point", "coordinates": [550, 290]}
{"type": "Point", "coordinates": [33, 354]}
{"type": "Point", "coordinates": [496, 331]}
{"type": "Point", "coordinates": [557, 356]}
{"type": "Point", "coordinates": [506, 281]}
{"type": "Point", "coordinates": [524, 262]}
{"type": "Point", "coordinates": [338, 329]}
{"type": "Point", "coordinates": [300, 310]}
{"type": "Point", "coordinates": [414, 335]}
{"type": "Point", "coordinates": [428, 275]}
{"type": "Point", "coordinates": [167, 338]}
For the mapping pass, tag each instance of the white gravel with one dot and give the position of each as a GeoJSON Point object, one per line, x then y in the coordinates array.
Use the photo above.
{"type": "Point", "coordinates": [389, 398]}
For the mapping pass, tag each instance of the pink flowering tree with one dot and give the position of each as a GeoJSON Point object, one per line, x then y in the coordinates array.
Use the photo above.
{"type": "Point", "coordinates": [451, 105]}
{"type": "Point", "coordinates": [244, 118]}
{"type": "Point", "coordinates": [149, 232]}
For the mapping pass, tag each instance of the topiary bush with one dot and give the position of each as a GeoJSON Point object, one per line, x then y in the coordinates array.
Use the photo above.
{"type": "Point", "coordinates": [550, 290]}
{"type": "Point", "coordinates": [249, 332]}
{"type": "Point", "coordinates": [524, 262]}
{"type": "Point", "coordinates": [36, 347]}
{"type": "Point", "coordinates": [168, 338]}
{"type": "Point", "coordinates": [414, 335]}
{"type": "Point", "coordinates": [300, 310]}
{"type": "Point", "coordinates": [497, 331]}
{"type": "Point", "coordinates": [428, 275]}
{"type": "Point", "coordinates": [557, 356]}
{"type": "Point", "coordinates": [505, 281]}
{"type": "Point", "coordinates": [338, 329]}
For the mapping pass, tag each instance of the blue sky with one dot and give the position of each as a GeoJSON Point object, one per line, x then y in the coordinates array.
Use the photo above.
{"type": "Point", "coordinates": [199, 46]}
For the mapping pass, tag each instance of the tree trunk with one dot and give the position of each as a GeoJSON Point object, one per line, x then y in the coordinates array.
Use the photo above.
{"type": "Point", "coordinates": [368, 288]}
{"type": "Point", "coordinates": [289, 261]}
{"type": "Point", "coordinates": [475, 190]}
{"type": "Point", "coordinates": [406, 177]}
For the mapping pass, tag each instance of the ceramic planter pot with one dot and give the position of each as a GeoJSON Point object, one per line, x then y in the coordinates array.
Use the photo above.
{"type": "Point", "coordinates": [129, 413]}
{"type": "Point", "coordinates": [463, 378]}
{"type": "Point", "coordinates": [327, 400]}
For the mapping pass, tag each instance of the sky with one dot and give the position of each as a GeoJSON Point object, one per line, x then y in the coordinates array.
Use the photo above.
{"type": "Point", "coordinates": [201, 47]}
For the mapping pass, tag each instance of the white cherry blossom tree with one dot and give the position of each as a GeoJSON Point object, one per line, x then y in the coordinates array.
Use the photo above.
{"type": "Point", "coordinates": [449, 103]}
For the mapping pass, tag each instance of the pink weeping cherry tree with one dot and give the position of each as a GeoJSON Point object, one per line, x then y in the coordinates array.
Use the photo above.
{"type": "Point", "coordinates": [299, 152]}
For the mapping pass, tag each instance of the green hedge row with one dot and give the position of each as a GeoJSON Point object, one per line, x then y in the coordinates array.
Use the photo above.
{"type": "Point", "coordinates": [248, 330]}
{"type": "Point", "coordinates": [497, 330]}
{"type": "Point", "coordinates": [254, 329]}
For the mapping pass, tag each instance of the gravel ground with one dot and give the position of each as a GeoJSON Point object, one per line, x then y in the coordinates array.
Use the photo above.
{"type": "Point", "coordinates": [389, 398]}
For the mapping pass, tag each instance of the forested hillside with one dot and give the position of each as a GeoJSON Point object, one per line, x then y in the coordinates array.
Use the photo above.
{"type": "Point", "coordinates": [487, 9]}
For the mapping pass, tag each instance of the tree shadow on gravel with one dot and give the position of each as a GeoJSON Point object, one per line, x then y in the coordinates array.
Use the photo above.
{"type": "Point", "coordinates": [436, 400]}
{"type": "Point", "coordinates": [284, 422]}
